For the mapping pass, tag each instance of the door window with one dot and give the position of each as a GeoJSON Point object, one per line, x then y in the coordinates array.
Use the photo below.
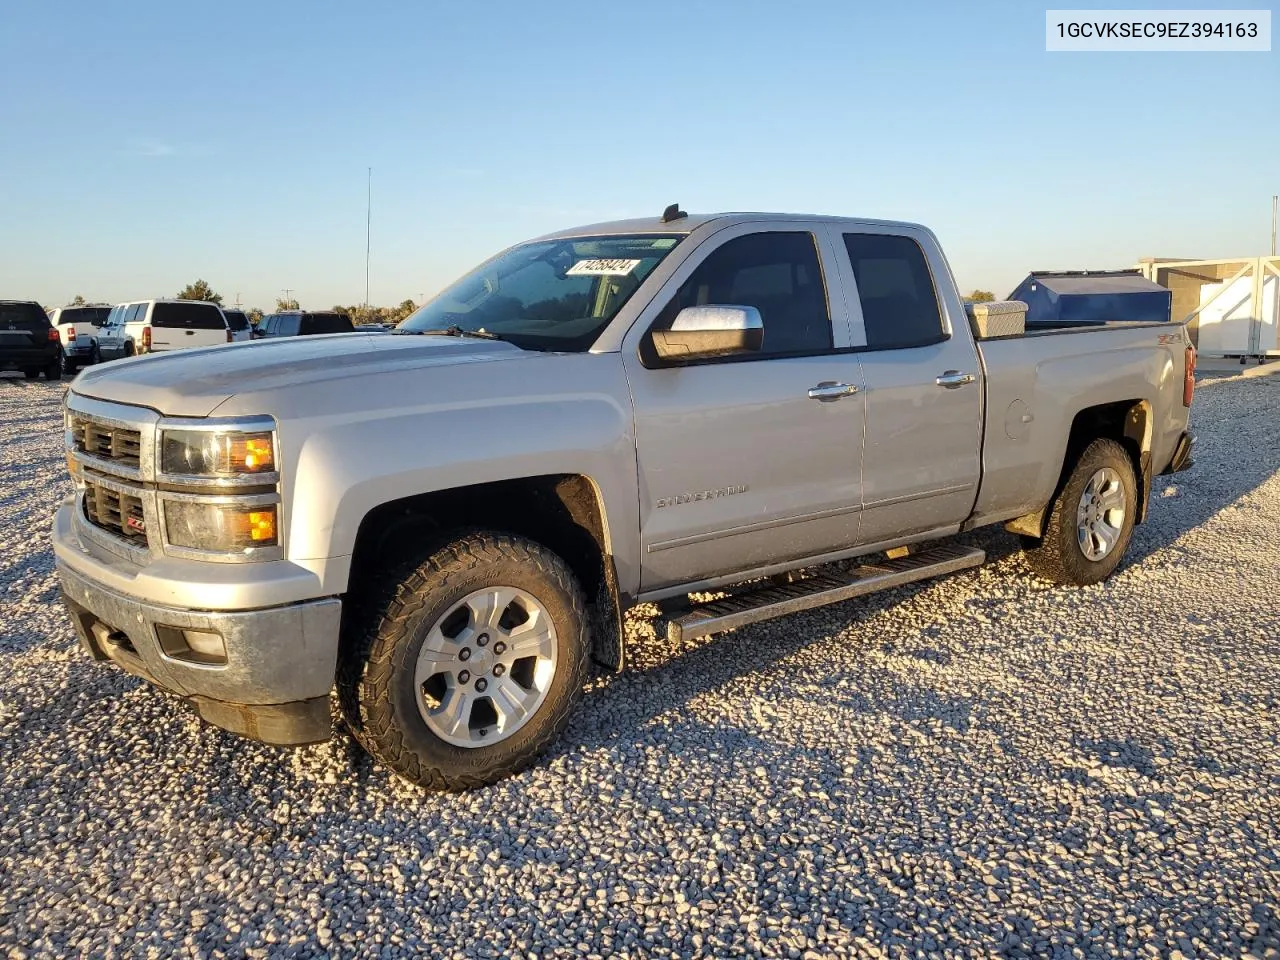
{"type": "Point", "coordinates": [778, 274]}
{"type": "Point", "coordinates": [895, 288]}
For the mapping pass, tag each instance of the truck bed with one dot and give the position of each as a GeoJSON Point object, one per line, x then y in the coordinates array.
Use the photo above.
{"type": "Point", "coordinates": [1034, 382]}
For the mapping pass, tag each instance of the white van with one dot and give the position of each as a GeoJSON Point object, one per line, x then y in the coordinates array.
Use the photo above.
{"type": "Point", "coordinates": [155, 326]}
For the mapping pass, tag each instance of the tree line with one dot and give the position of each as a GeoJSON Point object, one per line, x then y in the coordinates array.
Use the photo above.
{"type": "Point", "coordinates": [359, 313]}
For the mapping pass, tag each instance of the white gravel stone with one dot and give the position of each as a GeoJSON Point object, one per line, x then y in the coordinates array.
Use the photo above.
{"type": "Point", "coordinates": [985, 765]}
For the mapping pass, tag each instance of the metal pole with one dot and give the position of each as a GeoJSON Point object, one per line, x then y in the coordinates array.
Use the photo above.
{"type": "Point", "coordinates": [368, 233]}
{"type": "Point", "coordinates": [1275, 207]}
{"type": "Point", "coordinates": [287, 298]}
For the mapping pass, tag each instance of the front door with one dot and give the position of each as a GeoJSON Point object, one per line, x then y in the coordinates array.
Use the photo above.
{"type": "Point", "coordinates": [111, 334]}
{"type": "Point", "coordinates": [739, 466]}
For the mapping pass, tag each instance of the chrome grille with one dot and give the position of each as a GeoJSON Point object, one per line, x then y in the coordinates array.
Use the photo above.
{"type": "Point", "coordinates": [118, 444]}
{"type": "Point", "coordinates": [116, 512]}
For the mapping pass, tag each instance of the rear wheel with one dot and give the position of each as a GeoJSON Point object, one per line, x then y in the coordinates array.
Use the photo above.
{"type": "Point", "coordinates": [31, 374]}
{"type": "Point", "coordinates": [1091, 521]}
{"type": "Point", "coordinates": [53, 370]}
{"type": "Point", "coordinates": [128, 348]}
{"type": "Point", "coordinates": [95, 355]}
{"type": "Point", "coordinates": [69, 366]}
{"type": "Point", "coordinates": [467, 666]}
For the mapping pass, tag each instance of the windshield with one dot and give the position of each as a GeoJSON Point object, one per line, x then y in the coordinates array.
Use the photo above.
{"type": "Point", "coordinates": [548, 295]}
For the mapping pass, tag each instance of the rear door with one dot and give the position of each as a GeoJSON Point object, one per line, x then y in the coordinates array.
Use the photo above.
{"type": "Point", "coordinates": [922, 458]}
{"type": "Point", "coordinates": [176, 326]}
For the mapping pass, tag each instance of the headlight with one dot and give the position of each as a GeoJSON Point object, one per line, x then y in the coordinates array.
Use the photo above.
{"type": "Point", "coordinates": [220, 527]}
{"type": "Point", "coordinates": [216, 453]}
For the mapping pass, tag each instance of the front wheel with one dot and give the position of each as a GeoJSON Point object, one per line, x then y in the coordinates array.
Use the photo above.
{"type": "Point", "coordinates": [1091, 520]}
{"type": "Point", "coordinates": [468, 665]}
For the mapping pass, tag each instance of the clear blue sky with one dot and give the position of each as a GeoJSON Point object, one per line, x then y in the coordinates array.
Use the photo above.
{"type": "Point", "coordinates": [147, 144]}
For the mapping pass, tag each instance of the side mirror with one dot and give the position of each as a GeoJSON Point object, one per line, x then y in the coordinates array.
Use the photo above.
{"type": "Point", "coordinates": [710, 331]}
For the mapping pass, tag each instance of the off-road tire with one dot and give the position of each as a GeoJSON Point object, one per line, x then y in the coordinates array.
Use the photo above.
{"type": "Point", "coordinates": [1057, 555]}
{"type": "Point", "coordinates": [385, 631]}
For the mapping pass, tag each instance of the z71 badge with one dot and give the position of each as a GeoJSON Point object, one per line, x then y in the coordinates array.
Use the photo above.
{"type": "Point", "coordinates": [700, 495]}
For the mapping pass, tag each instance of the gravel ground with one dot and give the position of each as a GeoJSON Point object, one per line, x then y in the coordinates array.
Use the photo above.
{"type": "Point", "coordinates": [981, 766]}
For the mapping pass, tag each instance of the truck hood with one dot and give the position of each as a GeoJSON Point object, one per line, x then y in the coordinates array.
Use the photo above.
{"type": "Point", "coordinates": [194, 383]}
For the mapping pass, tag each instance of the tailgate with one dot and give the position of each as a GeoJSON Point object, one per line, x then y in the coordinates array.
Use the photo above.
{"type": "Point", "coordinates": [24, 329]}
{"type": "Point", "coordinates": [176, 326]}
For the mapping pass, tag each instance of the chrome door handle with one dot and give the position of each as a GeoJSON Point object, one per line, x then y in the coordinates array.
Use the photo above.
{"type": "Point", "coordinates": [829, 390]}
{"type": "Point", "coordinates": [954, 378]}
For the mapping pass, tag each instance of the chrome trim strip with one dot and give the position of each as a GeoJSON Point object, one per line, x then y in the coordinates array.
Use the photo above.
{"type": "Point", "coordinates": [255, 424]}
{"type": "Point", "coordinates": [270, 479]}
{"type": "Point", "coordinates": [247, 499]}
{"type": "Point", "coordinates": [751, 528]}
{"type": "Point", "coordinates": [103, 466]}
{"type": "Point", "coordinates": [924, 495]}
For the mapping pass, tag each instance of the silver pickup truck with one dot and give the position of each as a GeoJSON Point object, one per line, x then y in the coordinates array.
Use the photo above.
{"type": "Point", "coordinates": [447, 524]}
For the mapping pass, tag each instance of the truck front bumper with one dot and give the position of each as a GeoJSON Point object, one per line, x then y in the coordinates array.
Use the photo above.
{"type": "Point", "coordinates": [264, 673]}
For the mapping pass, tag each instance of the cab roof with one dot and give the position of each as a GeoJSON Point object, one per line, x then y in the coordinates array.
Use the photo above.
{"type": "Point", "coordinates": [690, 222]}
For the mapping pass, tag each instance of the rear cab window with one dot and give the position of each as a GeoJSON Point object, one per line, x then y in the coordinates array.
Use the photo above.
{"type": "Point", "coordinates": [236, 320]}
{"type": "Point", "coordinates": [94, 315]}
{"type": "Point", "coordinates": [895, 288]}
{"type": "Point", "coordinates": [188, 316]}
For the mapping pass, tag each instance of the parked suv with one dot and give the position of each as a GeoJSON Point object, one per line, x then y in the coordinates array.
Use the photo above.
{"type": "Point", "coordinates": [238, 322]}
{"type": "Point", "coordinates": [28, 341]}
{"type": "Point", "coordinates": [77, 328]}
{"type": "Point", "coordinates": [301, 323]}
{"type": "Point", "coordinates": [156, 326]}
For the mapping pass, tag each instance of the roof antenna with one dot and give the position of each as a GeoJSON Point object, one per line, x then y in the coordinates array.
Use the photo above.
{"type": "Point", "coordinates": [673, 212]}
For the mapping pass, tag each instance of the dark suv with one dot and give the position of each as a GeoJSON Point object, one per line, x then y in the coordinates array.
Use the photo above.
{"type": "Point", "coordinates": [301, 323]}
{"type": "Point", "coordinates": [28, 341]}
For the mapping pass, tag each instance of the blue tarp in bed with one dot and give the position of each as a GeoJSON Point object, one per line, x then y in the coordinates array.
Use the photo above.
{"type": "Point", "coordinates": [1093, 297]}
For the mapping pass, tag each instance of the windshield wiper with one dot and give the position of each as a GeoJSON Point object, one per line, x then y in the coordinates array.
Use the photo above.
{"type": "Point", "coordinates": [454, 331]}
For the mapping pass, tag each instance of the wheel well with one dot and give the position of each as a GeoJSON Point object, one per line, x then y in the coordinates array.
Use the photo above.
{"type": "Point", "coordinates": [562, 512]}
{"type": "Point", "coordinates": [1128, 422]}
